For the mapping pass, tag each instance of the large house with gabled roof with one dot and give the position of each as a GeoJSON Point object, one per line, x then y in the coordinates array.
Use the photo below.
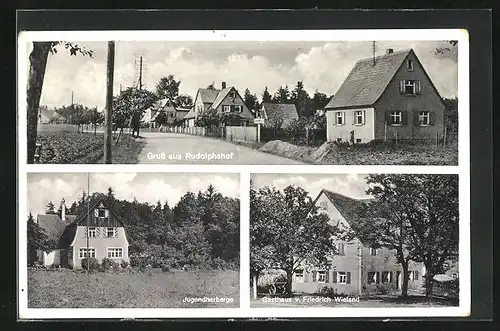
{"type": "Point", "coordinates": [357, 268]}
{"type": "Point", "coordinates": [224, 101]}
{"type": "Point", "coordinates": [96, 232]}
{"type": "Point", "coordinates": [383, 98]}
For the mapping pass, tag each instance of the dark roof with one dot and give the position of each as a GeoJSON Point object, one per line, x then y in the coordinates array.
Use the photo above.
{"type": "Point", "coordinates": [92, 206]}
{"type": "Point", "coordinates": [208, 95]}
{"type": "Point", "coordinates": [287, 111]}
{"type": "Point", "coordinates": [366, 82]}
{"type": "Point", "coordinates": [221, 96]}
{"type": "Point", "coordinates": [347, 206]}
{"type": "Point", "coordinates": [53, 225]}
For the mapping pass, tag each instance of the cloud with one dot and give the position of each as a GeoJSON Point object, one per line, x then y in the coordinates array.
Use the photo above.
{"type": "Point", "coordinates": [322, 67]}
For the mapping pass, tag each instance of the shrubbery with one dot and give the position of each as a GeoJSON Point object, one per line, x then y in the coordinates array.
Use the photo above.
{"type": "Point", "coordinates": [330, 292]}
{"type": "Point", "coordinates": [90, 263]}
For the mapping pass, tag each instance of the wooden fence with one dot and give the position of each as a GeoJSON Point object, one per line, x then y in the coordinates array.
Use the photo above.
{"type": "Point", "coordinates": [241, 133]}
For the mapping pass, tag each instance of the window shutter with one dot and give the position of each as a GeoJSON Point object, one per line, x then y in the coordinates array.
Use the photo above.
{"type": "Point", "coordinates": [314, 276]}
{"type": "Point", "coordinates": [431, 118]}
{"type": "Point", "coordinates": [106, 213]}
{"type": "Point", "coordinates": [404, 115]}
{"type": "Point", "coordinates": [306, 277]}
{"type": "Point", "coordinates": [391, 277]}
{"type": "Point", "coordinates": [353, 117]}
{"type": "Point", "coordinates": [327, 276]}
{"type": "Point", "coordinates": [86, 232]}
{"type": "Point", "coordinates": [348, 281]}
{"type": "Point", "coordinates": [378, 277]}
{"type": "Point", "coordinates": [415, 117]}
{"type": "Point", "coordinates": [418, 87]}
{"type": "Point", "coordinates": [364, 116]}
{"type": "Point", "coordinates": [402, 87]}
{"type": "Point", "coordinates": [334, 276]}
{"type": "Point", "coordinates": [115, 232]}
{"type": "Point", "coordinates": [344, 118]}
{"type": "Point", "coordinates": [335, 118]}
{"type": "Point", "coordinates": [97, 232]}
{"type": "Point", "coordinates": [96, 212]}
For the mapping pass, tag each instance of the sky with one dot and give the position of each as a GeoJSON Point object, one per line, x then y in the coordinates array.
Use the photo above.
{"type": "Point", "coordinates": [243, 64]}
{"type": "Point", "coordinates": [146, 187]}
{"type": "Point", "coordinates": [351, 185]}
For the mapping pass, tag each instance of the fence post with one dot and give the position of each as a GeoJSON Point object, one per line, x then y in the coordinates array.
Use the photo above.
{"type": "Point", "coordinates": [444, 137]}
{"type": "Point", "coordinates": [437, 138]}
{"type": "Point", "coordinates": [396, 138]}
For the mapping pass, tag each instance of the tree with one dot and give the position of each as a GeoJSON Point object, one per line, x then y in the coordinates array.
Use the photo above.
{"type": "Point", "coordinates": [129, 106]}
{"type": "Point", "coordinates": [211, 86]}
{"type": "Point", "coordinates": [168, 88]}
{"type": "Point", "coordinates": [50, 208]}
{"type": "Point", "coordinates": [282, 95]}
{"type": "Point", "coordinates": [294, 233]}
{"type": "Point", "coordinates": [300, 98]}
{"type": "Point", "coordinates": [251, 100]}
{"type": "Point", "coordinates": [95, 118]}
{"type": "Point", "coordinates": [37, 240]}
{"type": "Point", "coordinates": [414, 215]}
{"type": "Point", "coordinates": [320, 100]}
{"type": "Point", "coordinates": [451, 114]}
{"type": "Point", "coordinates": [184, 101]}
{"type": "Point", "coordinates": [208, 118]}
{"type": "Point", "coordinates": [266, 96]}
{"type": "Point", "coordinates": [161, 118]}
{"type": "Point", "coordinates": [38, 62]}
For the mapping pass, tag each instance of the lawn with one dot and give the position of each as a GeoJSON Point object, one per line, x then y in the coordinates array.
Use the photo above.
{"type": "Point", "coordinates": [85, 148]}
{"type": "Point", "coordinates": [66, 288]}
{"type": "Point", "coordinates": [387, 301]}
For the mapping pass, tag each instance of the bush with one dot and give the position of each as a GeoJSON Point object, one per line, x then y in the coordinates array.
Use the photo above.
{"type": "Point", "coordinates": [385, 288]}
{"type": "Point", "coordinates": [165, 267]}
{"type": "Point", "coordinates": [108, 264]}
{"type": "Point", "coordinates": [124, 264]}
{"type": "Point", "coordinates": [90, 263]}
{"type": "Point", "coordinates": [330, 292]}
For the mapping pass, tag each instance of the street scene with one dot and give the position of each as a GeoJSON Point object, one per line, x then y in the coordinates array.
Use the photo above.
{"type": "Point", "coordinates": [307, 102]}
{"type": "Point", "coordinates": [354, 240]}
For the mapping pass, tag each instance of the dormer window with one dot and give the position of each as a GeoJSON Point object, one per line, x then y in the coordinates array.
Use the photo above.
{"type": "Point", "coordinates": [101, 213]}
{"type": "Point", "coordinates": [410, 65]}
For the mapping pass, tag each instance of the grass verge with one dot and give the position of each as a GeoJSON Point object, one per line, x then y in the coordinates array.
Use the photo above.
{"type": "Point", "coordinates": [150, 289]}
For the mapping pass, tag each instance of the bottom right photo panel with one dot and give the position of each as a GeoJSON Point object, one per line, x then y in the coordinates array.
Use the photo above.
{"type": "Point", "coordinates": [354, 240]}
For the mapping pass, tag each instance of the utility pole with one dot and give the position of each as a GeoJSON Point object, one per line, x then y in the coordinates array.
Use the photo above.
{"type": "Point", "coordinates": [108, 122]}
{"type": "Point", "coordinates": [140, 73]}
{"type": "Point", "coordinates": [373, 49]}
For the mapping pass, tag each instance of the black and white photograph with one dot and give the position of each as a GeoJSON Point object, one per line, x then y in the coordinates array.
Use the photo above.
{"type": "Point", "coordinates": [354, 240]}
{"type": "Point", "coordinates": [242, 102]}
{"type": "Point", "coordinates": [133, 240]}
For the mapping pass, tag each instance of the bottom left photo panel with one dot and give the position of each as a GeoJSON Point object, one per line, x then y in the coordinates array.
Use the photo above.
{"type": "Point", "coordinates": [132, 240]}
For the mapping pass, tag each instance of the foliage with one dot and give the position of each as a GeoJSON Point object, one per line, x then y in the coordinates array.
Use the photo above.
{"type": "Point", "coordinates": [208, 118]}
{"type": "Point", "coordinates": [414, 215]}
{"type": "Point", "coordinates": [266, 96]}
{"type": "Point", "coordinates": [451, 114]}
{"type": "Point", "coordinates": [282, 95]}
{"type": "Point", "coordinates": [124, 264]}
{"type": "Point", "coordinates": [161, 118]}
{"type": "Point", "coordinates": [70, 147]}
{"type": "Point", "coordinates": [184, 101]}
{"type": "Point", "coordinates": [287, 232]}
{"type": "Point", "coordinates": [251, 100]}
{"type": "Point", "coordinates": [168, 88]}
{"type": "Point", "coordinates": [330, 292]}
{"type": "Point", "coordinates": [37, 240]}
{"type": "Point", "coordinates": [129, 106]}
{"type": "Point", "coordinates": [90, 263]}
{"type": "Point", "coordinates": [108, 264]}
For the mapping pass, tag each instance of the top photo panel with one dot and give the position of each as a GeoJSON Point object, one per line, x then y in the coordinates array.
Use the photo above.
{"type": "Point", "coordinates": [240, 102]}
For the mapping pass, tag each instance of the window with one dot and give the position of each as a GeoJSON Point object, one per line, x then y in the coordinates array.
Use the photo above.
{"type": "Point", "coordinates": [386, 277]}
{"type": "Point", "coordinates": [84, 252]}
{"type": "Point", "coordinates": [340, 248]}
{"type": "Point", "coordinates": [321, 276]}
{"type": "Point", "coordinates": [92, 232]}
{"type": "Point", "coordinates": [424, 118]}
{"type": "Point", "coordinates": [409, 87]}
{"type": "Point", "coordinates": [396, 117]}
{"type": "Point", "coordinates": [455, 275]}
{"type": "Point", "coordinates": [339, 140]}
{"type": "Point", "coordinates": [238, 108]}
{"type": "Point", "coordinates": [373, 277]}
{"type": "Point", "coordinates": [341, 277]}
{"type": "Point", "coordinates": [111, 232]}
{"type": "Point", "coordinates": [413, 275]}
{"type": "Point", "coordinates": [226, 109]}
{"type": "Point", "coordinates": [410, 65]}
{"type": "Point", "coordinates": [101, 213]}
{"type": "Point", "coordinates": [114, 253]}
{"type": "Point", "coordinates": [339, 118]}
{"type": "Point", "coordinates": [373, 251]}
{"type": "Point", "coordinates": [359, 117]}
{"type": "Point", "coordinates": [358, 141]}
{"type": "Point", "coordinates": [299, 276]}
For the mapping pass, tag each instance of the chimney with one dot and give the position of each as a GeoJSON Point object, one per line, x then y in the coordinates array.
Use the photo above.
{"type": "Point", "coordinates": [389, 51]}
{"type": "Point", "coordinates": [223, 85]}
{"type": "Point", "coordinates": [63, 210]}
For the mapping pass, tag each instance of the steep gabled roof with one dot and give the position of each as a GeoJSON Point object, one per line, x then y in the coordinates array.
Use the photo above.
{"type": "Point", "coordinates": [207, 95]}
{"type": "Point", "coordinates": [366, 82]}
{"type": "Point", "coordinates": [221, 96]}
{"type": "Point", "coordinates": [287, 111]}
{"type": "Point", "coordinates": [52, 224]}
{"type": "Point", "coordinates": [190, 114]}
{"type": "Point", "coordinates": [92, 206]}
{"type": "Point", "coordinates": [348, 207]}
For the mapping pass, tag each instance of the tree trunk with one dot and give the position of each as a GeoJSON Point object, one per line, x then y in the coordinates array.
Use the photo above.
{"type": "Point", "coordinates": [429, 276]}
{"type": "Point", "coordinates": [289, 275]}
{"type": "Point", "coordinates": [95, 129]}
{"type": "Point", "coordinates": [38, 63]}
{"type": "Point", "coordinates": [404, 286]}
{"type": "Point", "coordinates": [254, 285]}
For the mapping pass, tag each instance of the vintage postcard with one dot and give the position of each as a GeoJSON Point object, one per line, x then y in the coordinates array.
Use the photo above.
{"type": "Point", "coordinates": [243, 174]}
{"type": "Point", "coordinates": [218, 99]}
